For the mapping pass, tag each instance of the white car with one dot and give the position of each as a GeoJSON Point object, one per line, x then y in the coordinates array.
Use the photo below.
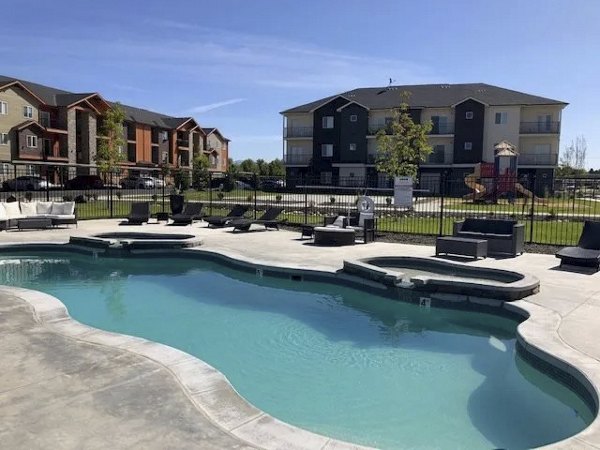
{"type": "Point", "coordinates": [158, 183]}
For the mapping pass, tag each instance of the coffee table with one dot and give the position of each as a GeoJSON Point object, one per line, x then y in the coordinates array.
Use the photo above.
{"type": "Point", "coordinates": [477, 248]}
{"type": "Point", "coordinates": [334, 236]}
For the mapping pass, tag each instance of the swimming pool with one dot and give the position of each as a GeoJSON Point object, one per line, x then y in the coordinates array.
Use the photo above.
{"type": "Point", "coordinates": [327, 358]}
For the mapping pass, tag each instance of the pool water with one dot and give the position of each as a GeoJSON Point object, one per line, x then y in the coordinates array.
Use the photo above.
{"type": "Point", "coordinates": [333, 360]}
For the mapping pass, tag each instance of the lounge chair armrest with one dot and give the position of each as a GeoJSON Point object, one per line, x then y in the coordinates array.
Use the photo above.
{"type": "Point", "coordinates": [328, 220]}
{"type": "Point", "coordinates": [457, 226]}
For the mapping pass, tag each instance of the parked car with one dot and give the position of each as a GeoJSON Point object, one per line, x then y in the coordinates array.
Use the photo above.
{"type": "Point", "coordinates": [242, 185]}
{"type": "Point", "coordinates": [85, 182]}
{"type": "Point", "coordinates": [158, 183]}
{"type": "Point", "coordinates": [271, 185]}
{"type": "Point", "coordinates": [27, 183]}
{"type": "Point", "coordinates": [136, 182]}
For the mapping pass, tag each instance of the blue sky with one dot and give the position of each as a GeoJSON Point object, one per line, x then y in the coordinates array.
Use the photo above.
{"type": "Point", "coordinates": [236, 64]}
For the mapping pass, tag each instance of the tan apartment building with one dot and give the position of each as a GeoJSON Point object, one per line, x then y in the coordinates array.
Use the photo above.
{"type": "Point", "coordinates": [333, 139]}
{"type": "Point", "coordinates": [40, 124]}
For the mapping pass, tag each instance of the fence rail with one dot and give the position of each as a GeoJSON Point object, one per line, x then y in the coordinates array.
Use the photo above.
{"type": "Point", "coordinates": [553, 210]}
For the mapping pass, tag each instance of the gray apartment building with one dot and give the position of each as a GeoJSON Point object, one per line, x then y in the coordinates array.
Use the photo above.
{"type": "Point", "coordinates": [332, 140]}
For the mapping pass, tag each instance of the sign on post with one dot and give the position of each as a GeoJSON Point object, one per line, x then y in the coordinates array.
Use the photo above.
{"type": "Point", "coordinates": [403, 192]}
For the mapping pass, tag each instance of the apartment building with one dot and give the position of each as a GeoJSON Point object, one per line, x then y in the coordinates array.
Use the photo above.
{"type": "Point", "coordinates": [333, 139]}
{"type": "Point", "coordinates": [41, 124]}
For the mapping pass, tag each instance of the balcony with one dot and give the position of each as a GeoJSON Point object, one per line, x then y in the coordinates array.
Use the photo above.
{"type": "Point", "coordinates": [436, 158]}
{"type": "Point", "coordinates": [185, 143]}
{"type": "Point", "coordinates": [50, 123]}
{"type": "Point", "coordinates": [374, 127]}
{"type": "Point", "coordinates": [298, 132]}
{"type": "Point", "coordinates": [442, 128]}
{"type": "Point", "coordinates": [527, 159]}
{"type": "Point", "coordinates": [539, 128]}
{"type": "Point", "coordinates": [302, 159]}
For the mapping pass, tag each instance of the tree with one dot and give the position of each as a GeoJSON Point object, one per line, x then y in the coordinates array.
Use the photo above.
{"type": "Point", "coordinates": [276, 168]}
{"type": "Point", "coordinates": [403, 144]}
{"type": "Point", "coordinates": [109, 154]}
{"type": "Point", "coordinates": [572, 161]}
{"type": "Point", "coordinates": [199, 170]}
{"type": "Point", "coordinates": [262, 166]}
{"type": "Point", "coordinates": [248, 165]}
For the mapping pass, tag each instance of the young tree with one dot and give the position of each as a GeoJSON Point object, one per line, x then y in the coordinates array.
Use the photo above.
{"type": "Point", "coordinates": [248, 165]}
{"type": "Point", "coordinates": [403, 144]}
{"type": "Point", "coordinates": [262, 166]}
{"type": "Point", "coordinates": [199, 170]}
{"type": "Point", "coordinates": [109, 154]}
{"type": "Point", "coordinates": [574, 155]}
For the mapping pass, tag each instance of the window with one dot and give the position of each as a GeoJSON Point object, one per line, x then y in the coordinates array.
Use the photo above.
{"type": "Point", "coordinates": [3, 108]}
{"type": "Point", "coordinates": [541, 149]}
{"type": "Point", "coordinates": [163, 136]}
{"type": "Point", "coordinates": [5, 169]}
{"type": "Point", "coordinates": [327, 121]}
{"type": "Point", "coordinates": [325, 177]}
{"type": "Point", "coordinates": [28, 111]}
{"type": "Point", "coordinates": [353, 118]}
{"type": "Point", "coordinates": [352, 147]}
{"type": "Point", "coordinates": [327, 150]}
{"type": "Point", "coordinates": [45, 118]}
{"type": "Point", "coordinates": [501, 118]}
{"type": "Point", "coordinates": [3, 138]}
{"type": "Point", "coordinates": [469, 115]}
{"type": "Point", "coordinates": [437, 155]}
{"type": "Point", "coordinates": [31, 141]}
{"type": "Point", "coordinates": [440, 125]}
{"type": "Point", "coordinates": [468, 145]}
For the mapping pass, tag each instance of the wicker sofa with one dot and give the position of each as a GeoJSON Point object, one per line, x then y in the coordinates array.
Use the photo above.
{"type": "Point", "coordinates": [503, 236]}
{"type": "Point", "coordinates": [60, 213]}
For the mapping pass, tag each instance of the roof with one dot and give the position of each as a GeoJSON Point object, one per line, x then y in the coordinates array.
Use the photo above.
{"type": "Point", "coordinates": [57, 97]}
{"type": "Point", "coordinates": [211, 130]}
{"type": "Point", "coordinates": [431, 96]}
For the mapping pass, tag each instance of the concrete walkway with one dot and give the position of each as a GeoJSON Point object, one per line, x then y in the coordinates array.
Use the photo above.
{"type": "Point", "coordinates": [56, 392]}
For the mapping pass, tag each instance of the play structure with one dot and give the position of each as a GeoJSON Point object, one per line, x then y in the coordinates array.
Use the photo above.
{"type": "Point", "coordinates": [490, 181]}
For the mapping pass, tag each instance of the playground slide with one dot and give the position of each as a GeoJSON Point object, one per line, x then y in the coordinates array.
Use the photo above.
{"type": "Point", "coordinates": [526, 192]}
{"type": "Point", "coordinates": [478, 189]}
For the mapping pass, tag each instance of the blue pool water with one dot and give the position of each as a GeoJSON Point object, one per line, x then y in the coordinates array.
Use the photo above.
{"type": "Point", "coordinates": [333, 360]}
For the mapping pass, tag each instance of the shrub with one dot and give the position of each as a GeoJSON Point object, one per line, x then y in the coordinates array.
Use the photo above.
{"type": "Point", "coordinates": [220, 195]}
{"type": "Point", "coordinates": [28, 196]}
{"type": "Point", "coordinates": [181, 179]}
{"type": "Point", "coordinates": [388, 201]}
{"type": "Point", "coordinates": [249, 198]}
{"type": "Point", "coordinates": [278, 198]}
{"type": "Point", "coordinates": [154, 198]}
{"type": "Point", "coordinates": [67, 198]}
{"type": "Point", "coordinates": [78, 199]}
{"type": "Point", "coordinates": [119, 194]}
{"type": "Point", "coordinates": [332, 200]}
{"type": "Point", "coordinates": [95, 196]}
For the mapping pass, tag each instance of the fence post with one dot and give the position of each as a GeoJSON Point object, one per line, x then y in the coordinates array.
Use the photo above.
{"type": "Point", "coordinates": [15, 178]}
{"type": "Point", "coordinates": [255, 192]}
{"type": "Point", "coordinates": [305, 200]}
{"type": "Point", "coordinates": [110, 195]}
{"type": "Point", "coordinates": [531, 220]}
{"type": "Point", "coordinates": [442, 194]}
{"type": "Point", "coordinates": [210, 193]}
{"type": "Point", "coordinates": [164, 184]}
{"type": "Point", "coordinates": [47, 183]}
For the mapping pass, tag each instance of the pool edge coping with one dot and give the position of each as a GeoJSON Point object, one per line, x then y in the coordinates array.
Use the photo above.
{"type": "Point", "coordinates": [538, 334]}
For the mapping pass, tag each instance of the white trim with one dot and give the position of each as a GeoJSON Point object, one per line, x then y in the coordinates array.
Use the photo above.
{"type": "Point", "coordinates": [31, 138]}
{"type": "Point", "coordinates": [468, 98]}
{"type": "Point", "coordinates": [350, 103]}
{"type": "Point", "coordinates": [324, 103]}
{"type": "Point", "coordinates": [5, 109]}
{"type": "Point", "coordinates": [350, 165]}
{"type": "Point", "coordinates": [27, 109]}
{"type": "Point", "coordinates": [2, 140]}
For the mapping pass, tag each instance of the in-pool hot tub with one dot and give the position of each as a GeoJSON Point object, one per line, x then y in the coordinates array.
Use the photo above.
{"type": "Point", "coordinates": [119, 242]}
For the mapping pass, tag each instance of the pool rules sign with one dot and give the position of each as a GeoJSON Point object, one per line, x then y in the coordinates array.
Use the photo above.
{"type": "Point", "coordinates": [403, 192]}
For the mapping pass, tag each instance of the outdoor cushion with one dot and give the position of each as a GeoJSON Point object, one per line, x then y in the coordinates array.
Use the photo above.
{"type": "Point", "coordinates": [59, 216]}
{"type": "Point", "coordinates": [488, 226]}
{"type": "Point", "coordinates": [29, 209]}
{"type": "Point", "coordinates": [582, 254]}
{"type": "Point", "coordinates": [62, 208]}
{"type": "Point", "coordinates": [338, 222]}
{"type": "Point", "coordinates": [44, 207]}
{"type": "Point", "coordinates": [3, 215]}
{"type": "Point", "coordinates": [12, 210]}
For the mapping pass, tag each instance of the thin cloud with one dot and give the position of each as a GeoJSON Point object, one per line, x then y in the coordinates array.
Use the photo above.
{"type": "Point", "coordinates": [205, 108]}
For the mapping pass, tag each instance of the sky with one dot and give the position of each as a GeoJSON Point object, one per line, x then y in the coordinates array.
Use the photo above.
{"type": "Point", "coordinates": [235, 64]}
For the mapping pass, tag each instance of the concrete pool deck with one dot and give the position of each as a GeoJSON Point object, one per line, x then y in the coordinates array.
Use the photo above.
{"type": "Point", "coordinates": [63, 393]}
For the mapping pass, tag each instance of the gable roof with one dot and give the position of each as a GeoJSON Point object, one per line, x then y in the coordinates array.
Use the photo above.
{"type": "Point", "coordinates": [59, 98]}
{"type": "Point", "coordinates": [208, 131]}
{"type": "Point", "coordinates": [431, 96]}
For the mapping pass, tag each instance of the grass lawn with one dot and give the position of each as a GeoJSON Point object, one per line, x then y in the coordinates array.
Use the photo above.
{"type": "Point", "coordinates": [556, 205]}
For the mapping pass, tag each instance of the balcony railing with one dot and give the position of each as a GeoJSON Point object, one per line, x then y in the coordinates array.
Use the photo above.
{"type": "Point", "coordinates": [374, 127]}
{"type": "Point", "coordinates": [52, 123]}
{"type": "Point", "coordinates": [298, 132]}
{"type": "Point", "coordinates": [183, 142]}
{"type": "Point", "coordinates": [436, 158]}
{"type": "Point", "coordinates": [371, 158]}
{"type": "Point", "coordinates": [297, 158]}
{"type": "Point", "coordinates": [539, 127]}
{"type": "Point", "coordinates": [442, 128]}
{"type": "Point", "coordinates": [550, 159]}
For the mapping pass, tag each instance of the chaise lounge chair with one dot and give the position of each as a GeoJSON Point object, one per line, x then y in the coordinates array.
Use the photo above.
{"type": "Point", "coordinates": [268, 219]}
{"type": "Point", "coordinates": [587, 252]}
{"type": "Point", "coordinates": [191, 211]}
{"type": "Point", "coordinates": [140, 213]}
{"type": "Point", "coordinates": [220, 221]}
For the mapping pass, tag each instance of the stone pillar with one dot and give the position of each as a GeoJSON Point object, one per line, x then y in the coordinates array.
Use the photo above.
{"type": "Point", "coordinates": [88, 139]}
{"type": "Point", "coordinates": [68, 119]}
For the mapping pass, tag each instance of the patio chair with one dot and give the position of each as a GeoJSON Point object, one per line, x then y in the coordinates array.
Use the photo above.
{"type": "Point", "coordinates": [363, 224]}
{"type": "Point", "coordinates": [220, 221]}
{"type": "Point", "coordinates": [140, 213]}
{"type": "Point", "coordinates": [191, 211]}
{"type": "Point", "coordinates": [587, 252]}
{"type": "Point", "coordinates": [268, 219]}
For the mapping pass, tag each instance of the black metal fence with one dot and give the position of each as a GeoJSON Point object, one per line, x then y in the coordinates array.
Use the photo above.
{"type": "Point", "coordinates": [553, 210]}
